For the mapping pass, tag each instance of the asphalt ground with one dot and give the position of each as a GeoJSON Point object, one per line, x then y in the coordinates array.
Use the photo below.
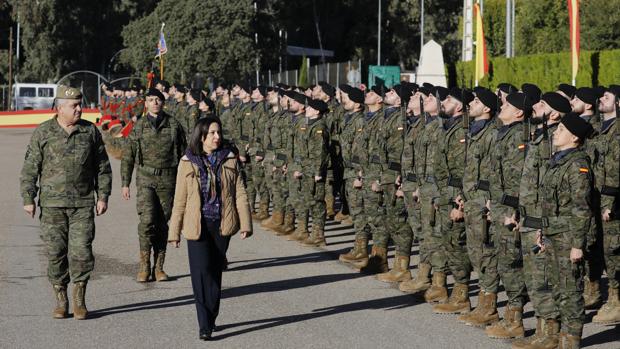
{"type": "Point", "coordinates": [277, 294]}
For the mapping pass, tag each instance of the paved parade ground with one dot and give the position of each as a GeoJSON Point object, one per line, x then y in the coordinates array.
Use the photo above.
{"type": "Point", "coordinates": [277, 294]}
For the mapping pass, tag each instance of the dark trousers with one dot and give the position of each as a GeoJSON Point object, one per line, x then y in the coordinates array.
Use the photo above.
{"type": "Point", "coordinates": [206, 262]}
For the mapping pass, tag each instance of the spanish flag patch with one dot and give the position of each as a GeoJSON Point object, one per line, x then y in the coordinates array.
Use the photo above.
{"type": "Point", "coordinates": [462, 140]}
{"type": "Point", "coordinates": [319, 131]}
{"type": "Point", "coordinates": [400, 128]}
{"type": "Point", "coordinates": [583, 170]}
{"type": "Point", "coordinates": [521, 146]}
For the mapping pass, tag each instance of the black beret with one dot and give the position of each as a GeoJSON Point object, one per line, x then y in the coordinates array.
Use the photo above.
{"type": "Point", "coordinates": [299, 97]}
{"type": "Point", "coordinates": [179, 87]}
{"type": "Point", "coordinates": [379, 89]}
{"type": "Point", "coordinates": [587, 95]}
{"type": "Point", "coordinates": [428, 85]}
{"type": "Point", "coordinates": [196, 94]}
{"type": "Point", "coordinates": [599, 90]}
{"type": "Point", "coordinates": [557, 102]}
{"type": "Point", "coordinates": [507, 88]}
{"type": "Point", "coordinates": [165, 84]}
{"type": "Point", "coordinates": [568, 90]}
{"type": "Point", "coordinates": [356, 95]}
{"type": "Point", "coordinates": [488, 98]}
{"type": "Point", "coordinates": [318, 105]}
{"type": "Point", "coordinates": [520, 101]}
{"type": "Point", "coordinates": [328, 89]}
{"type": "Point", "coordinates": [426, 90]}
{"type": "Point", "coordinates": [155, 92]}
{"type": "Point", "coordinates": [441, 91]}
{"type": "Point", "coordinates": [209, 104]}
{"type": "Point", "coordinates": [614, 89]}
{"type": "Point", "coordinates": [245, 86]}
{"type": "Point", "coordinates": [262, 90]}
{"type": "Point", "coordinates": [532, 91]}
{"type": "Point", "coordinates": [576, 125]}
{"type": "Point", "coordinates": [283, 86]}
{"type": "Point", "coordinates": [345, 88]}
{"type": "Point", "coordinates": [463, 95]}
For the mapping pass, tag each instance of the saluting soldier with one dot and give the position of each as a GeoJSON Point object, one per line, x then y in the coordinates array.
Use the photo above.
{"type": "Point", "coordinates": [66, 158]}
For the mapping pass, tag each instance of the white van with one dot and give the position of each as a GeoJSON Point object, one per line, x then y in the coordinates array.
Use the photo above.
{"type": "Point", "coordinates": [33, 96]}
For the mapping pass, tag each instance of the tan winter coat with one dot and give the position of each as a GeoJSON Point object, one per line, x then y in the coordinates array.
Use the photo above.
{"type": "Point", "coordinates": [186, 213]}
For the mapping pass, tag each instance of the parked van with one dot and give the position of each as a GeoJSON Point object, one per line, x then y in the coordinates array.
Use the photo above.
{"type": "Point", "coordinates": [33, 96]}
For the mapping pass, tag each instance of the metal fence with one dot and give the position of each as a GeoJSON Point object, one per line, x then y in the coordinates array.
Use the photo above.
{"type": "Point", "coordinates": [348, 72]}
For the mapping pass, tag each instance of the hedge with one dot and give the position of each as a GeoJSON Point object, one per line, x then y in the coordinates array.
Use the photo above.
{"type": "Point", "coordinates": [545, 70]}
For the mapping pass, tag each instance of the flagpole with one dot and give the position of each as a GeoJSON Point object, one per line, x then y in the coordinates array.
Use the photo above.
{"type": "Point", "coordinates": [161, 56]}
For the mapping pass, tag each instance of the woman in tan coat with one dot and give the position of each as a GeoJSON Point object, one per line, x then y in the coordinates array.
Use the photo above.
{"type": "Point", "coordinates": [210, 205]}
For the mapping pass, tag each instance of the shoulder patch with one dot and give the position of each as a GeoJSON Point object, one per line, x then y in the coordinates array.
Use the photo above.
{"type": "Point", "coordinates": [462, 140]}
{"type": "Point", "coordinates": [583, 170]}
{"type": "Point", "coordinates": [521, 147]}
{"type": "Point", "coordinates": [319, 131]}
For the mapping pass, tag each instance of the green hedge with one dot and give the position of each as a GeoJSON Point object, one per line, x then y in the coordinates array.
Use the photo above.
{"type": "Point", "coordinates": [545, 70]}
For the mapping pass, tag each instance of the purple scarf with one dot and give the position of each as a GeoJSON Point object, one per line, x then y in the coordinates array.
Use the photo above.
{"type": "Point", "coordinates": [209, 167]}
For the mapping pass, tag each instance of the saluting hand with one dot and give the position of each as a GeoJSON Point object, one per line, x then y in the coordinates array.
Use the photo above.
{"type": "Point", "coordinates": [30, 210]}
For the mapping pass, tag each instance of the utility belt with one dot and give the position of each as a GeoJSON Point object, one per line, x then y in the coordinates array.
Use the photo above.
{"type": "Point", "coordinates": [157, 171]}
{"type": "Point", "coordinates": [510, 201]}
{"type": "Point", "coordinates": [411, 177]}
{"type": "Point", "coordinates": [455, 182]}
{"type": "Point", "coordinates": [483, 185]}
{"type": "Point", "coordinates": [532, 221]}
{"type": "Point", "coordinates": [394, 166]}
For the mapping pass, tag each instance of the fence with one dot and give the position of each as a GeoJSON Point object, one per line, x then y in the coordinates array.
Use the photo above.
{"type": "Point", "coordinates": [349, 72]}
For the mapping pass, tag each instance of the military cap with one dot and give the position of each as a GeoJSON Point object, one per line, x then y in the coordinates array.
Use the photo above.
{"type": "Point", "coordinates": [209, 103]}
{"type": "Point", "coordinates": [587, 95]}
{"type": "Point", "coordinates": [245, 86]}
{"type": "Point", "coordinates": [532, 91]}
{"type": "Point", "coordinates": [327, 88]}
{"type": "Point", "coordinates": [476, 89]}
{"type": "Point", "coordinates": [403, 91]}
{"type": "Point", "coordinates": [463, 95]}
{"type": "Point", "coordinates": [262, 90]}
{"type": "Point", "coordinates": [441, 91]}
{"type": "Point", "coordinates": [345, 88]}
{"type": "Point", "coordinates": [379, 89]}
{"type": "Point", "coordinates": [507, 88]}
{"type": "Point", "coordinates": [270, 89]}
{"type": "Point", "coordinates": [356, 95]}
{"type": "Point", "coordinates": [576, 125]}
{"type": "Point", "coordinates": [165, 84]}
{"type": "Point", "coordinates": [179, 87]}
{"type": "Point", "coordinates": [568, 90]}
{"type": "Point", "coordinates": [318, 105]}
{"type": "Point", "coordinates": [599, 90]}
{"type": "Point", "coordinates": [299, 97]}
{"type": "Point", "coordinates": [520, 101]}
{"type": "Point", "coordinates": [196, 94]}
{"type": "Point", "coordinates": [283, 86]}
{"type": "Point", "coordinates": [428, 85]}
{"type": "Point", "coordinates": [155, 92]}
{"type": "Point", "coordinates": [488, 98]}
{"type": "Point", "coordinates": [413, 87]}
{"type": "Point", "coordinates": [614, 89]}
{"type": "Point", "coordinates": [426, 90]}
{"type": "Point", "coordinates": [557, 102]}
{"type": "Point", "coordinates": [66, 92]}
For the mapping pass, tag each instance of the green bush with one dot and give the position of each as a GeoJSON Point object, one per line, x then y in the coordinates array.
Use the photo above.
{"type": "Point", "coordinates": [546, 70]}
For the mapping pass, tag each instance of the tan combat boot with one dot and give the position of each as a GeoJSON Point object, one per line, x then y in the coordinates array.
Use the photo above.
{"type": "Point", "coordinates": [339, 217]}
{"type": "Point", "coordinates": [568, 341]}
{"type": "Point", "coordinates": [591, 294]}
{"type": "Point", "coordinates": [377, 262]}
{"type": "Point", "coordinates": [144, 274]}
{"type": "Point", "coordinates": [549, 338]}
{"type": "Point", "coordinates": [301, 233]}
{"type": "Point", "coordinates": [288, 227]}
{"type": "Point", "coordinates": [457, 303]}
{"type": "Point", "coordinates": [511, 326]}
{"type": "Point", "coordinates": [316, 239]}
{"type": "Point", "coordinates": [329, 207]}
{"type": "Point", "coordinates": [437, 293]}
{"type": "Point", "coordinates": [358, 255]}
{"type": "Point", "coordinates": [527, 342]}
{"type": "Point", "coordinates": [400, 271]}
{"type": "Point", "coordinates": [276, 220]}
{"type": "Point", "coordinates": [79, 303]}
{"type": "Point", "coordinates": [485, 313]}
{"type": "Point", "coordinates": [421, 282]}
{"type": "Point", "coordinates": [160, 274]}
{"type": "Point", "coordinates": [347, 221]}
{"type": "Point", "coordinates": [609, 314]}
{"type": "Point", "coordinates": [263, 211]}
{"type": "Point", "coordinates": [62, 303]}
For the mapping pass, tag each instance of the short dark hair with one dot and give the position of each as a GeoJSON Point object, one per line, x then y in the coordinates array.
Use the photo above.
{"type": "Point", "coordinates": [200, 132]}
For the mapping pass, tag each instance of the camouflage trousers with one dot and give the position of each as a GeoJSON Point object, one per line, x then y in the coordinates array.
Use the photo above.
{"type": "Point", "coordinates": [431, 229]}
{"type": "Point", "coordinates": [295, 196]}
{"type": "Point", "coordinates": [277, 188]}
{"type": "Point", "coordinates": [248, 178]}
{"type": "Point", "coordinates": [537, 277]}
{"type": "Point", "coordinates": [509, 256]}
{"type": "Point", "coordinates": [261, 181]}
{"type": "Point", "coordinates": [396, 227]}
{"type": "Point", "coordinates": [311, 201]}
{"type": "Point", "coordinates": [455, 245]}
{"type": "Point", "coordinates": [355, 198]}
{"type": "Point", "coordinates": [154, 204]}
{"type": "Point", "coordinates": [330, 187]}
{"type": "Point", "coordinates": [375, 215]}
{"type": "Point", "coordinates": [567, 280]}
{"type": "Point", "coordinates": [414, 220]}
{"type": "Point", "coordinates": [68, 235]}
{"type": "Point", "coordinates": [611, 249]}
{"type": "Point", "coordinates": [480, 247]}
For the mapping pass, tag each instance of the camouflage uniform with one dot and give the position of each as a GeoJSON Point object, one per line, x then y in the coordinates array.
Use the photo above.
{"type": "Point", "coordinates": [187, 115]}
{"type": "Point", "coordinates": [294, 202]}
{"type": "Point", "coordinates": [352, 124]}
{"type": "Point", "coordinates": [333, 183]}
{"type": "Point", "coordinates": [565, 193]}
{"type": "Point", "coordinates": [68, 168]}
{"type": "Point", "coordinates": [245, 127]}
{"type": "Point", "coordinates": [276, 138]}
{"type": "Point", "coordinates": [261, 117]}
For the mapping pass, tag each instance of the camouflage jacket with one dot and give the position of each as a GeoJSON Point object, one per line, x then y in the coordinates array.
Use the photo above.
{"type": "Point", "coordinates": [295, 143]}
{"type": "Point", "coordinates": [334, 123]}
{"type": "Point", "coordinates": [425, 147]}
{"type": "Point", "coordinates": [278, 137]}
{"type": "Point", "coordinates": [477, 173]}
{"type": "Point", "coordinates": [154, 149]}
{"type": "Point", "coordinates": [409, 177]}
{"type": "Point", "coordinates": [245, 127]}
{"type": "Point", "coordinates": [313, 149]}
{"type": "Point", "coordinates": [187, 117]}
{"type": "Point", "coordinates": [69, 168]}
{"type": "Point", "coordinates": [450, 161]}
{"type": "Point", "coordinates": [261, 115]}
{"type": "Point", "coordinates": [507, 163]}
{"type": "Point", "coordinates": [606, 162]}
{"type": "Point", "coordinates": [229, 124]}
{"type": "Point", "coordinates": [566, 196]}
{"type": "Point", "coordinates": [364, 146]}
{"type": "Point", "coordinates": [391, 137]}
{"type": "Point", "coordinates": [352, 124]}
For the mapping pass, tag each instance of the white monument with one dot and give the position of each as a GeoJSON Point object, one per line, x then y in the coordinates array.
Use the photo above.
{"type": "Point", "coordinates": [431, 68]}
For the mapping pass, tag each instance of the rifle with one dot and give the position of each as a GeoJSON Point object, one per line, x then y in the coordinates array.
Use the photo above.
{"type": "Point", "coordinates": [546, 149]}
{"type": "Point", "coordinates": [465, 128]}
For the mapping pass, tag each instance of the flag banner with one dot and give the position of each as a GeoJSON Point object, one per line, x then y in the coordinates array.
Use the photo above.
{"type": "Point", "coordinates": [482, 61]}
{"type": "Point", "coordinates": [573, 15]}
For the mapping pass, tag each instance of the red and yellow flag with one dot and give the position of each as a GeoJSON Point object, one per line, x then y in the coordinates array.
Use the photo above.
{"type": "Point", "coordinates": [482, 61]}
{"type": "Point", "coordinates": [573, 15]}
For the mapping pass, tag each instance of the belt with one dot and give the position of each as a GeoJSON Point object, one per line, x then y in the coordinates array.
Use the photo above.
{"type": "Point", "coordinates": [535, 222]}
{"type": "Point", "coordinates": [509, 200]}
{"type": "Point", "coordinates": [411, 177]}
{"type": "Point", "coordinates": [158, 171]}
{"type": "Point", "coordinates": [394, 166]}
{"type": "Point", "coordinates": [483, 185]}
{"type": "Point", "coordinates": [455, 182]}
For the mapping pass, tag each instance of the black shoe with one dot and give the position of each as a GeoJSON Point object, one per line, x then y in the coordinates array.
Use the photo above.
{"type": "Point", "coordinates": [206, 335]}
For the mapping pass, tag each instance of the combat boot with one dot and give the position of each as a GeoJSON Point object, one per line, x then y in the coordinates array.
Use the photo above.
{"type": "Point", "coordinates": [377, 262]}
{"type": "Point", "coordinates": [549, 337]}
{"type": "Point", "coordinates": [79, 303]}
{"type": "Point", "coordinates": [276, 220]}
{"type": "Point", "coordinates": [62, 303]}
{"type": "Point", "coordinates": [160, 274]}
{"type": "Point", "coordinates": [358, 255]}
{"type": "Point", "coordinates": [339, 217]}
{"type": "Point", "coordinates": [288, 227]}
{"type": "Point", "coordinates": [609, 314]}
{"type": "Point", "coordinates": [316, 239]}
{"type": "Point", "coordinates": [421, 282]}
{"type": "Point", "coordinates": [400, 271]}
{"type": "Point", "coordinates": [528, 341]}
{"type": "Point", "coordinates": [347, 221]}
{"type": "Point", "coordinates": [511, 326]}
{"type": "Point", "coordinates": [485, 313]}
{"type": "Point", "coordinates": [591, 294]}
{"type": "Point", "coordinates": [457, 303]}
{"type": "Point", "coordinates": [263, 211]}
{"type": "Point", "coordinates": [568, 341]}
{"type": "Point", "coordinates": [437, 293]}
{"type": "Point", "coordinates": [301, 233]}
{"type": "Point", "coordinates": [329, 207]}
{"type": "Point", "coordinates": [144, 274]}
